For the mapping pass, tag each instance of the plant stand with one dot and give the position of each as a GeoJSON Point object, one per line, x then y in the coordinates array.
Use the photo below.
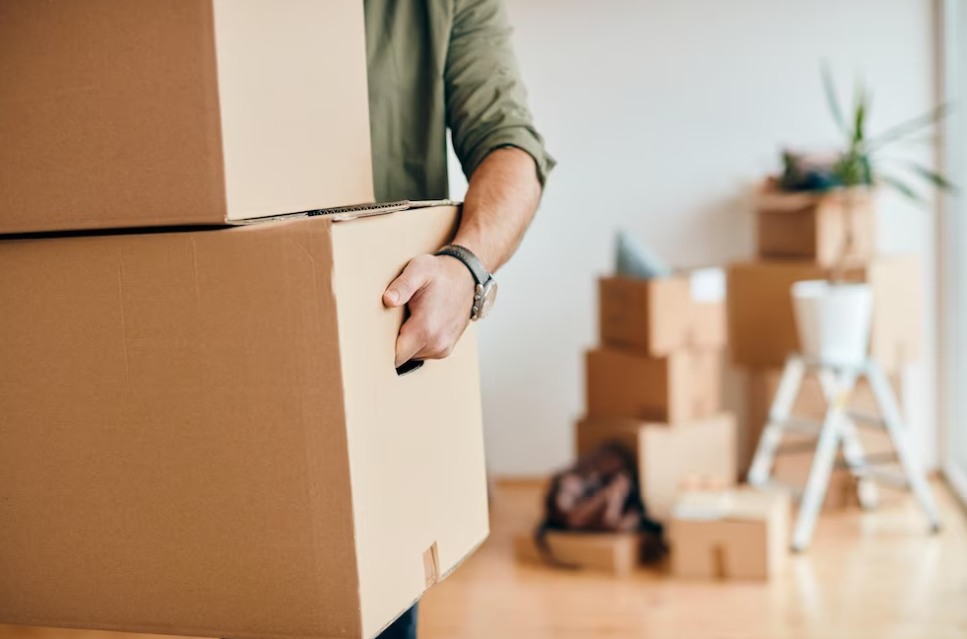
{"type": "Point", "coordinates": [838, 428]}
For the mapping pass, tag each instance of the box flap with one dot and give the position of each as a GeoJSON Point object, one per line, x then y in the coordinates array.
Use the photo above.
{"type": "Point", "coordinates": [356, 211]}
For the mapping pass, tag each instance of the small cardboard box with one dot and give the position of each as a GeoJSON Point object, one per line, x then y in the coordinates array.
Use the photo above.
{"type": "Point", "coordinates": [683, 386]}
{"type": "Point", "coordinates": [204, 433]}
{"type": "Point", "coordinates": [746, 539]}
{"type": "Point", "coordinates": [667, 454]}
{"type": "Point", "coordinates": [662, 315]}
{"type": "Point", "coordinates": [762, 327]}
{"type": "Point", "coordinates": [812, 227]}
{"type": "Point", "coordinates": [613, 553]}
{"type": "Point", "coordinates": [120, 114]}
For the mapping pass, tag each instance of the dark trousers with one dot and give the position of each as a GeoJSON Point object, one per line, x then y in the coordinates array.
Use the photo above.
{"type": "Point", "coordinates": [402, 628]}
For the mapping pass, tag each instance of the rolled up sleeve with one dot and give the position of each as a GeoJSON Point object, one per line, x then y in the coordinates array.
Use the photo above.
{"type": "Point", "coordinates": [486, 101]}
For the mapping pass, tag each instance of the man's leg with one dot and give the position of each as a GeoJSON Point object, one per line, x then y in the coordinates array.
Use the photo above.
{"type": "Point", "coordinates": [402, 628]}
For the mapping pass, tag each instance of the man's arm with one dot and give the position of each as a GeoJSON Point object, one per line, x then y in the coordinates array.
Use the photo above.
{"type": "Point", "coordinates": [501, 201]}
{"type": "Point", "coordinates": [505, 160]}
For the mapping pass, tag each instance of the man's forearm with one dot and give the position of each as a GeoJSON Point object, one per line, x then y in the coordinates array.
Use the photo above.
{"type": "Point", "coordinates": [500, 204]}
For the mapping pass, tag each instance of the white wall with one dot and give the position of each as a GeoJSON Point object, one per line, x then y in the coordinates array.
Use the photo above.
{"type": "Point", "coordinates": [662, 113]}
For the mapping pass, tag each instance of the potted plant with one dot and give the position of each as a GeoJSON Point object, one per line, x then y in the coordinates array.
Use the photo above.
{"type": "Point", "coordinates": [833, 315]}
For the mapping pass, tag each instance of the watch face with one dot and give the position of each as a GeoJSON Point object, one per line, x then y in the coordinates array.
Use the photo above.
{"type": "Point", "coordinates": [489, 295]}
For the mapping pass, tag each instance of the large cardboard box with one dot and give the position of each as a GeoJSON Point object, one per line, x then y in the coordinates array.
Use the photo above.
{"type": "Point", "coordinates": [748, 539]}
{"type": "Point", "coordinates": [203, 433]}
{"type": "Point", "coordinates": [762, 329]}
{"type": "Point", "coordinates": [812, 227]}
{"type": "Point", "coordinates": [179, 112]}
{"type": "Point", "coordinates": [663, 315]}
{"type": "Point", "coordinates": [612, 553]}
{"type": "Point", "coordinates": [667, 455]}
{"type": "Point", "coordinates": [683, 386]}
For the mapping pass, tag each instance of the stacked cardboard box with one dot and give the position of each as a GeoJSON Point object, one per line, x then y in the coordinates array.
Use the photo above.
{"type": "Point", "coordinates": [654, 383]}
{"type": "Point", "coordinates": [799, 238]}
{"type": "Point", "coordinates": [615, 554]}
{"type": "Point", "coordinates": [203, 431]}
{"type": "Point", "coordinates": [729, 534]}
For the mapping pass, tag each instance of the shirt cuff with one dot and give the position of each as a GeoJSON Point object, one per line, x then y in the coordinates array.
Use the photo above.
{"type": "Point", "coordinates": [517, 137]}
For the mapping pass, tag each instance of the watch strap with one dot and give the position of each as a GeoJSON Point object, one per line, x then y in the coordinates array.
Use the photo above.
{"type": "Point", "coordinates": [473, 264]}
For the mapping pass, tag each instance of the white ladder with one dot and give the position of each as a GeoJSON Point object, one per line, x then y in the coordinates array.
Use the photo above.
{"type": "Point", "coordinates": [838, 427]}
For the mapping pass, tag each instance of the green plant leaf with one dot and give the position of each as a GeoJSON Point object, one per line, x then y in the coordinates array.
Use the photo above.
{"type": "Point", "coordinates": [902, 187]}
{"type": "Point", "coordinates": [933, 177]}
{"type": "Point", "coordinates": [859, 118]}
{"type": "Point", "coordinates": [830, 89]}
{"type": "Point", "coordinates": [910, 126]}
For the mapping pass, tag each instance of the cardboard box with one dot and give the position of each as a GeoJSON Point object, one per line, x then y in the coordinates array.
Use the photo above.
{"type": "Point", "coordinates": [613, 553]}
{"type": "Point", "coordinates": [683, 386]}
{"type": "Point", "coordinates": [663, 315]}
{"type": "Point", "coordinates": [124, 114]}
{"type": "Point", "coordinates": [668, 454]}
{"type": "Point", "coordinates": [204, 432]}
{"type": "Point", "coordinates": [812, 227]}
{"type": "Point", "coordinates": [762, 329]}
{"type": "Point", "coordinates": [746, 540]}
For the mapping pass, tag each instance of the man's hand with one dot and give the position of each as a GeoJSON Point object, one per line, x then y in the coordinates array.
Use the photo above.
{"type": "Point", "coordinates": [501, 200]}
{"type": "Point", "coordinates": [439, 291]}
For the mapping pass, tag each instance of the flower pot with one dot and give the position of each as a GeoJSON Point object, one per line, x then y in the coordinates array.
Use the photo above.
{"type": "Point", "coordinates": [833, 321]}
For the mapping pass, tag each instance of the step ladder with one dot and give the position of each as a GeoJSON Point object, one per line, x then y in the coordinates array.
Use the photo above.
{"type": "Point", "coordinates": [838, 429]}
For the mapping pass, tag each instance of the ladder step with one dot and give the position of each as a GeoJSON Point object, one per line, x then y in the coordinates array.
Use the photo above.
{"type": "Point", "coordinates": [795, 491]}
{"type": "Point", "coordinates": [883, 477]}
{"type": "Point", "coordinates": [800, 447]}
{"type": "Point", "coordinates": [878, 459]}
{"type": "Point", "coordinates": [805, 426]}
{"type": "Point", "coordinates": [866, 419]}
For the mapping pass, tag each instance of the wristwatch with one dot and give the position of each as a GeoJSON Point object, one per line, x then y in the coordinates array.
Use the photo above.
{"type": "Point", "coordinates": [486, 291]}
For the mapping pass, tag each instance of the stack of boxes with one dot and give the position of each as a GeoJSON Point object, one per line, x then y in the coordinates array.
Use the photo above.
{"type": "Point", "coordinates": [203, 431]}
{"type": "Point", "coordinates": [654, 383]}
{"type": "Point", "coordinates": [653, 386]}
{"type": "Point", "coordinates": [799, 238]}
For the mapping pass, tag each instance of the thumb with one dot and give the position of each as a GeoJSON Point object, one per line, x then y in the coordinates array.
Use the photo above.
{"type": "Point", "coordinates": [414, 277]}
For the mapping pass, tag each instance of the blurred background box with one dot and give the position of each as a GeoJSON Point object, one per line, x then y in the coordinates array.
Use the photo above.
{"type": "Point", "coordinates": [762, 329]}
{"type": "Point", "coordinates": [812, 227]}
{"type": "Point", "coordinates": [683, 386]}
{"type": "Point", "coordinates": [668, 454]}
{"type": "Point", "coordinates": [612, 553]}
{"type": "Point", "coordinates": [593, 432]}
{"type": "Point", "coordinates": [662, 315]}
{"type": "Point", "coordinates": [747, 540]}
{"type": "Point", "coordinates": [124, 114]}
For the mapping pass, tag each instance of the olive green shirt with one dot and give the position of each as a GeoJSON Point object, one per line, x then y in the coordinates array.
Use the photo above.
{"type": "Point", "coordinates": [435, 64]}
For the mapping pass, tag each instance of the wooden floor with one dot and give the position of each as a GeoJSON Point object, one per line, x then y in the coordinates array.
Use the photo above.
{"type": "Point", "coordinates": [867, 576]}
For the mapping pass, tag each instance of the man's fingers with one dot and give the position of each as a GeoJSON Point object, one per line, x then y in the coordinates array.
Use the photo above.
{"type": "Point", "coordinates": [418, 341]}
{"type": "Point", "coordinates": [414, 277]}
{"type": "Point", "coordinates": [411, 341]}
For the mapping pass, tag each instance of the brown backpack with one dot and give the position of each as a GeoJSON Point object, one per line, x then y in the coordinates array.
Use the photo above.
{"type": "Point", "coordinates": [599, 493]}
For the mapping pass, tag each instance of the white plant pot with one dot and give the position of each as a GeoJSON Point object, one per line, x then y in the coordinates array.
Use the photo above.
{"type": "Point", "coordinates": [833, 321]}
